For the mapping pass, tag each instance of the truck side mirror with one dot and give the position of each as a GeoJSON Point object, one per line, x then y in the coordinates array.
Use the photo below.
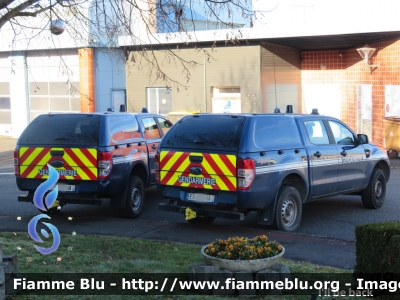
{"type": "Point", "coordinates": [362, 139]}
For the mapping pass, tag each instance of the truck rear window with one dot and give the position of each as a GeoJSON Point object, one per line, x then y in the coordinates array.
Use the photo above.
{"type": "Point", "coordinates": [206, 132]}
{"type": "Point", "coordinates": [72, 129]}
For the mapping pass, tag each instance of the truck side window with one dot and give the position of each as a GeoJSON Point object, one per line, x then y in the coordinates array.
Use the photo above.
{"type": "Point", "coordinates": [341, 134]}
{"type": "Point", "coordinates": [165, 125]}
{"type": "Point", "coordinates": [151, 129]}
{"type": "Point", "coordinates": [316, 132]}
{"type": "Point", "coordinates": [124, 128]}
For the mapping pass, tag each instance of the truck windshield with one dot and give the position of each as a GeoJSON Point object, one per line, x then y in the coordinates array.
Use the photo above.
{"type": "Point", "coordinates": [206, 132]}
{"type": "Point", "coordinates": [73, 129]}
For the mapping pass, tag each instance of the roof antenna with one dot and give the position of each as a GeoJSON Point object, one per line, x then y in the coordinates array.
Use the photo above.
{"type": "Point", "coordinates": [315, 111]}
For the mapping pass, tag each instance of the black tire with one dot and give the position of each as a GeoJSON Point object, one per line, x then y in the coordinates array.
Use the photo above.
{"type": "Point", "coordinates": [288, 211]}
{"type": "Point", "coordinates": [374, 194]}
{"type": "Point", "coordinates": [134, 198]}
{"type": "Point", "coordinates": [201, 220]}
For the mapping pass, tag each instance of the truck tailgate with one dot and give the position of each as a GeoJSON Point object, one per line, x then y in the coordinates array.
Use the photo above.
{"type": "Point", "coordinates": [198, 170]}
{"type": "Point", "coordinates": [70, 163]}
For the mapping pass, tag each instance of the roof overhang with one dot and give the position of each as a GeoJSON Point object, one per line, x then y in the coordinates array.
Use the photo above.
{"type": "Point", "coordinates": [332, 41]}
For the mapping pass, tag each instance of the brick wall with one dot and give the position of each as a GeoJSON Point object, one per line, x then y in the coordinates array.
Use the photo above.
{"type": "Point", "coordinates": [346, 67]}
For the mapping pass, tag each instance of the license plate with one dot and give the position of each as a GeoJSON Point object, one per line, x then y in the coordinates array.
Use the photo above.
{"type": "Point", "coordinates": [66, 188]}
{"type": "Point", "coordinates": [200, 197]}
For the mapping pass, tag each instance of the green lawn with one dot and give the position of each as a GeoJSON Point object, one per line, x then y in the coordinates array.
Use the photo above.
{"type": "Point", "coordinates": [105, 254]}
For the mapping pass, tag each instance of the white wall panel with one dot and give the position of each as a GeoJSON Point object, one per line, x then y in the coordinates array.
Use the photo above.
{"type": "Point", "coordinates": [392, 101]}
{"type": "Point", "coordinates": [18, 93]}
{"type": "Point", "coordinates": [325, 97]}
{"type": "Point", "coordinates": [109, 75]}
{"type": "Point", "coordinates": [4, 68]}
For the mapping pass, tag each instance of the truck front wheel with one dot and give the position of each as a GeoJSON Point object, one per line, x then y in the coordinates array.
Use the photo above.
{"type": "Point", "coordinates": [373, 195]}
{"type": "Point", "coordinates": [288, 209]}
{"type": "Point", "coordinates": [134, 198]}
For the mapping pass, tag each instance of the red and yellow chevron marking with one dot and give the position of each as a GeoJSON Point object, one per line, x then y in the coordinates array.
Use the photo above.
{"type": "Point", "coordinates": [82, 162]}
{"type": "Point", "coordinates": [219, 170]}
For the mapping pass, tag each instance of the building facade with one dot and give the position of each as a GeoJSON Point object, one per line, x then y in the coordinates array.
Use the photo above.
{"type": "Point", "coordinates": [300, 54]}
{"type": "Point", "coordinates": [307, 61]}
{"type": "Point", "coordinates": [71, 71]}
{"type": "Point", "coordinates": [43, 81]}
{"type": "Point", "coordinates": [236, 79]}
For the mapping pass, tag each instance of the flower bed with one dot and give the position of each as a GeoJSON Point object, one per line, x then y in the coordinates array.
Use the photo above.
{"type": "Point", "coordinates": [240, 254]}
{"type": "Point", "coordinates": [240, 248]}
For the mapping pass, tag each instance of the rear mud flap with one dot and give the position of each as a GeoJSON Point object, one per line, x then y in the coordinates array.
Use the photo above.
{"type": "Point", "coordinates": [266, 217]}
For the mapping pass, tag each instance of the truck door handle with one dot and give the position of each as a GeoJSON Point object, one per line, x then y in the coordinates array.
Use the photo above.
{"type": "Point", "coordinates": [317, 154]}
{"type": "Point", "coordinates": [344, 153]}
{"type": "Point", "coordinates": [153, 146]}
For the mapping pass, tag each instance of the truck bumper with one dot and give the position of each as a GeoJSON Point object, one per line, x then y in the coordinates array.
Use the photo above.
{"type": "Point", "coordinates": [63, 201]}
{"type": "Point", "coordinates": [201, 212]}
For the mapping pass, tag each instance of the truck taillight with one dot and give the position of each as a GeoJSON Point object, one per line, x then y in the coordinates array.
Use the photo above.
{"type": "Point", "coordinates": [16, 162]}
{"type": "Point", "coordinates": [104, 164]}
{"type": "Point", "coordinates": [245, 173]}
{"type": "Point", "coordinates": [157, 166]}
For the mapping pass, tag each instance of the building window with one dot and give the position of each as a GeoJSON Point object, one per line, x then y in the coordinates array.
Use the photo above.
{"type": "Point", "coordinates": [5, 103]}
{"type": "Point", "coordinates": [47, 97]}
{"type": "Point", "coordinates": [159, 100]}
{"type": "Point", "coordinates": [53, 82]}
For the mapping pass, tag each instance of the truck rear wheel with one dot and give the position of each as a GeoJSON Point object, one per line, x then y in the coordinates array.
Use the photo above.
{"type": "Point", "coordinates": [288, 209]}
{"type": "Point", "coordinates": [374, 194]}
{"type": "Point", "coordinates": [134, 198]}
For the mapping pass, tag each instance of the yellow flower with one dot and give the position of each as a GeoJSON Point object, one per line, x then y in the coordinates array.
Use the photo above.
{"type": "Point", "coordinates": [280, 248]}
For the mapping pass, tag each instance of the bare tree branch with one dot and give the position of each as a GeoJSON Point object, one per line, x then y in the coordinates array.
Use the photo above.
{"type": "Point", "coordinates": [99, 23]}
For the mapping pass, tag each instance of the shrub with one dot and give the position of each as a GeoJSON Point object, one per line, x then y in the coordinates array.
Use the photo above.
{"type": "Point", "coordinates": [377, 248]}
